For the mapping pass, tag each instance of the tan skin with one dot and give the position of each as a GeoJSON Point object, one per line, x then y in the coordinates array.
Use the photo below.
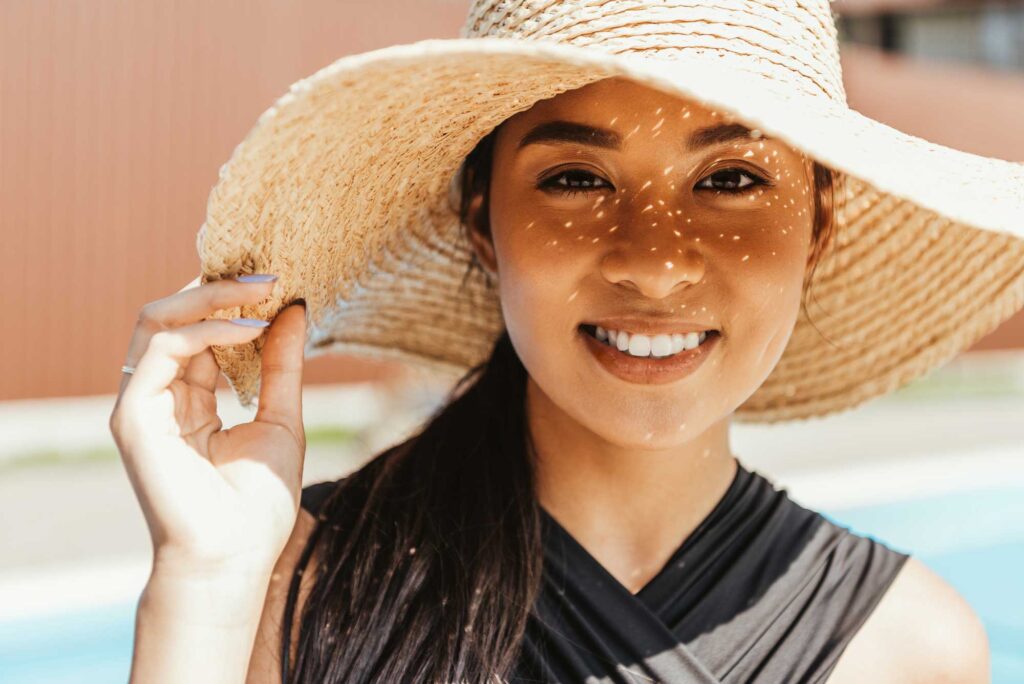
{"type": "Point", "coordinates": [597, 436]}
{"type": "Point", "coordinates": [646, 242]}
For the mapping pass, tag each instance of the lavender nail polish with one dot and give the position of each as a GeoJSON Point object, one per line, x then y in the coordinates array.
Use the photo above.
{"type": "Point", "coordinates": [257, 278]}
{"type": "Point", "coordinates": [250, 322]}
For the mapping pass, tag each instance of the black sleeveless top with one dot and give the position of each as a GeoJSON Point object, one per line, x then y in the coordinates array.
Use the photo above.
{"type": "Point", "coordinates": [763, 590]}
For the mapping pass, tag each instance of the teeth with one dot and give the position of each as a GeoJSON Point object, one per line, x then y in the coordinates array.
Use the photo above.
{"type": "Point", "coordinates": [658, 346]}
{"type": "Point", "coordinates": [639, 345]}
{"type": "Point", "coordinates": [661, 345]}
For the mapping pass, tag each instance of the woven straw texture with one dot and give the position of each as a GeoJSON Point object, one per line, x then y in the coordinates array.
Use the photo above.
{"type": "Point", "coordinates": [346, 188]}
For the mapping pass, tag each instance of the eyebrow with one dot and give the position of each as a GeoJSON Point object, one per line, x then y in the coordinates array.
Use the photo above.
{"type": "Point", "coordinates": [558, 132]}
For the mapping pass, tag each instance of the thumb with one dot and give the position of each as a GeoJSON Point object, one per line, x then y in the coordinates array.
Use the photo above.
{"type": "Point", "coordinates": [281, 384]}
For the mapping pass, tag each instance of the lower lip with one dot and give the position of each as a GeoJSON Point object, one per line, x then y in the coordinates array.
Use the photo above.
{"type": "Point", "coordinates": [649, 370]}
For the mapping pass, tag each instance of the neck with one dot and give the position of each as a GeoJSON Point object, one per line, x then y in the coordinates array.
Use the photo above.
{"type": "Point", "coordinates": [629, 506]}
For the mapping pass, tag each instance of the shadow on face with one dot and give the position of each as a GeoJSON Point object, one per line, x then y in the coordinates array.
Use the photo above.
{"type": "Point", "coordinates": [617, 201]}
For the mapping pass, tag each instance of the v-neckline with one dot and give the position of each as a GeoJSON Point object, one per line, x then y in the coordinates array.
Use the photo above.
{"type": "Point", "coordinates": [673, 561]}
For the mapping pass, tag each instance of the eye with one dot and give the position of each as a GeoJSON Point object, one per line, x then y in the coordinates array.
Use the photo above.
{"type": "Point", "coordinates": [574, 181]}
{"type": "Point", "coordinates": [733, 181]}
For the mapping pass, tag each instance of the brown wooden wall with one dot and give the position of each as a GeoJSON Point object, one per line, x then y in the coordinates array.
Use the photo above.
{"type": "Point", "coordinates": [116, 116]}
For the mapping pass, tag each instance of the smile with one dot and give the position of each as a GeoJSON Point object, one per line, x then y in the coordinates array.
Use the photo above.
{"type": "Point", "coordinates": [648, 359]}
{"type": "Point", "coordinates": [640, 345]}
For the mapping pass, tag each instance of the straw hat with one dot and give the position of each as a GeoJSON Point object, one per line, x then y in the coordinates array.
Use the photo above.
{"type": "Point", "coordinates": [347, 188]}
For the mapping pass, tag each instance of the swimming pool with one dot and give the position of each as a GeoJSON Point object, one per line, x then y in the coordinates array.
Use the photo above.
{"type": "Point", "coordinates": [974, 539]}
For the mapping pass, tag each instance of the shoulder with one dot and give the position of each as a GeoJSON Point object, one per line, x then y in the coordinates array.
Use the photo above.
{"type": "Point", "coordinates": [265, 663]}
{"type": "Point", "coordinates": [922, 630]}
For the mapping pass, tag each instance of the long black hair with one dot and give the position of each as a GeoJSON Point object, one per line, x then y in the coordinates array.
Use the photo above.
{"type": "Point", "coordinates": [430, 555]}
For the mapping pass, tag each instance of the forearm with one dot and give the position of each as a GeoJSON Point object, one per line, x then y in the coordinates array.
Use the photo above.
{"type": "Point", "coordinates": [194, 629]}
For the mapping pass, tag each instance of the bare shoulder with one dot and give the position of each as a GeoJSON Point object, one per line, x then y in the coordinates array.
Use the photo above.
{"type": "Point", "coordinates": [265, 663]}
{"type": "Point", "coordinates": [922, 630]}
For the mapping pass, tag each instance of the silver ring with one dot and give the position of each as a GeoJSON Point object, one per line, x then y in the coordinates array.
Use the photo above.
{"type": "Point", "coordinates": [128, 369]}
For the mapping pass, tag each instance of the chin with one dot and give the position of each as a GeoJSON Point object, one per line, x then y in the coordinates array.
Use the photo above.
{"type": "Point", "coordinates": [647, 430]}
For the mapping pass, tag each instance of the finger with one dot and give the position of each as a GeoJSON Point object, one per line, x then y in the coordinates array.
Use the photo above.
{"type": "Point", "coordinates": [169, 351]}
{"type": "Point", "coordinates": [125, 377]}
{"type": "Point", "coordinates": [281, 370]}
{"type": "Point", "coordinates": [202, 371]}
{"type": "Point", "coordinates": [191, 303]}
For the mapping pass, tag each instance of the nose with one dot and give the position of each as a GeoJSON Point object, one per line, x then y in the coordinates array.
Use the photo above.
{"type": "Point", "coordinates": [656, 273]}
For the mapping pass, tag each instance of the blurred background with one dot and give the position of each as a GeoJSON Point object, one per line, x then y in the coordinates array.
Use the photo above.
{"type": "Point", "coordinates": [114, 120]}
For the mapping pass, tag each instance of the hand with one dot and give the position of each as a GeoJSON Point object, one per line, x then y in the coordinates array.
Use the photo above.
{"type": "Point", "coordinates": [214, 500]}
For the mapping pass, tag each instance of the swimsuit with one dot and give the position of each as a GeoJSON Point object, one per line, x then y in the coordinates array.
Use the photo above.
{"type": "Point", "coordinates": [763, 590]}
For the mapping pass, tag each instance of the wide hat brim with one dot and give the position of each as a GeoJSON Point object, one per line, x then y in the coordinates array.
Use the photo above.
{"type": "Point", "coordinates": [344, 190]}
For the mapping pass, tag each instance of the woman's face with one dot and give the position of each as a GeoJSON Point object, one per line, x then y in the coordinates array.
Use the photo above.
{"type": "Point", "coordinates": [636, 228]}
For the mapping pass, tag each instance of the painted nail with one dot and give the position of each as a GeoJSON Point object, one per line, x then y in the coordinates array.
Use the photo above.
{"type": "Point", "coordinates": [256, 278]}
{"type": "Point", "coordinates": [250, 322]}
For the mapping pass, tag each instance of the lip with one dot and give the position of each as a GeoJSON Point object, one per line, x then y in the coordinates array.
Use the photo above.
{"type": "Point", "coordinates": [649, 370]}
{"type": "Point", "coordinates": [646, 326]}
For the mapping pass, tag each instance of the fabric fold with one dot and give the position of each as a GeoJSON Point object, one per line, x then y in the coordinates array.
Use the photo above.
{"type": "Point", "coordinates": [763, 590]}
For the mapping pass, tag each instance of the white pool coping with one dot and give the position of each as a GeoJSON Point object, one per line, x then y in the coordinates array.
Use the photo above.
{"type": "Point", "coordinates": [41, 592]}
{"type": "Point", "coordinates": [67, 589]}
{"type": "Point", "coordinates": [852, 485]}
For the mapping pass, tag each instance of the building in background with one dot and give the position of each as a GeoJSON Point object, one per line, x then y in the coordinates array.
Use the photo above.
{"type": "Point", "coordinates": [116, 117]}
{"type": "Point", "coordinates": [984, 33]}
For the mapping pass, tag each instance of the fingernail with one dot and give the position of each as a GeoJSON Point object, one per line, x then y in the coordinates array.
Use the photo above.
{"type": "Point", "coordinates": [256, 278]}
{"type": "Point", "coordinates": [250, 322]}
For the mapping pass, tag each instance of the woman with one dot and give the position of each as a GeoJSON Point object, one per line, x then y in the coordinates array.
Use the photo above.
{"type": "Point", "coordinates": [574, 512]}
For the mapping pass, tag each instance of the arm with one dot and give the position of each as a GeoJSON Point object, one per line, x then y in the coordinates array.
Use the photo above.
{"type": "Point", "coordinates": [211, 628]}
{"type": "Point", "coordinates": [265, 665]}
{"type": "Point", "coordinates": [220, 505]}
{"type": "Point", "coordinates": [194, 628]}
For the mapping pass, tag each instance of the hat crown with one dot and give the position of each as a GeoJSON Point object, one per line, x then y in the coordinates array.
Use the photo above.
{"type": "Point", "coordinates": [792, 42]}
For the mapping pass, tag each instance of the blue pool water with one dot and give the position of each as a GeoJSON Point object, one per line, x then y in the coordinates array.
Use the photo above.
{"type": "Point", "coordinates": [975, 540]}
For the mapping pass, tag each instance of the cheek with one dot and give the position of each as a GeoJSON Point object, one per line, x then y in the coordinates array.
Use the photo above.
{"type": "Point", "coordinates": [539, 276]}
{"type": "Point", "coordinates": [768, 280]}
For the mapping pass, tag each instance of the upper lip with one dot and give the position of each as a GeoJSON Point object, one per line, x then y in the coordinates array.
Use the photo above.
{"type": "Point", "coordinates": [649, 326]}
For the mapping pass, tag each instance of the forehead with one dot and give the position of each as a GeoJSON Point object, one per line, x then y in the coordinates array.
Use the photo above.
{"type": "Point", "coordinates": [637, 117]}
{"type": "Point", "coordinates": [622, 100]}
